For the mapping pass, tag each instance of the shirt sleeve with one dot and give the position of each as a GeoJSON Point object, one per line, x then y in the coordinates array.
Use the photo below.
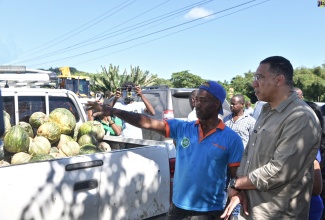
{"type": "Point", "coordinates": [296, 146]}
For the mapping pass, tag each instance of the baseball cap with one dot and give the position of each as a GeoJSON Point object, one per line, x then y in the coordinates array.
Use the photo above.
{"type": "Point", "coordinates": [216, 90]}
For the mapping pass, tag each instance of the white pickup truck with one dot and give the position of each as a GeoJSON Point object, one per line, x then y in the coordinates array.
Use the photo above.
{"type": "Point", "coordinates": [130, 183]}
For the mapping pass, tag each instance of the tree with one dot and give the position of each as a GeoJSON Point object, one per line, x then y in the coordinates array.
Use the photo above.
{"type": "Point", "coordinates": [185, 79]}
{"type": "Point", "coordinates": [109, 80]}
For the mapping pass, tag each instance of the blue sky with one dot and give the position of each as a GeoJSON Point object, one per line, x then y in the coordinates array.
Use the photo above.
{"type": "Point", "coordinates": [216, 40]}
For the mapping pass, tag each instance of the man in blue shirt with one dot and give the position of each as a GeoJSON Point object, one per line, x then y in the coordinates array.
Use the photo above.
{"type": "Point", "coordinates": [205, 148]}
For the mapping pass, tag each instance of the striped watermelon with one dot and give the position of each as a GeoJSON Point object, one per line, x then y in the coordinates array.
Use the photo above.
{"type": "Point", "coordinates": [16, 140]}
{"type": "Point", "coordinates": [64, 119]}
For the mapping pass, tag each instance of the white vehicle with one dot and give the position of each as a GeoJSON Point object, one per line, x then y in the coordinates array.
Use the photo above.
{"type": "Point", "coordinates": [131, 183]}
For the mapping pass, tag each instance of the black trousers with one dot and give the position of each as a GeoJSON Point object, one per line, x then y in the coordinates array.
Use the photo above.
{"type": "Point", "coordinates": [176, 213]}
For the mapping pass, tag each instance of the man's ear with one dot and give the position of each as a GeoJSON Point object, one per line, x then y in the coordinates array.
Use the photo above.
{"type": "Point", "coordinates": [280, 80]}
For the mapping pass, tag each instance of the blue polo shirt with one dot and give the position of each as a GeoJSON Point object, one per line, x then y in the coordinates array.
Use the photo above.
{"type": "Point", "coordinates": [201, 163]}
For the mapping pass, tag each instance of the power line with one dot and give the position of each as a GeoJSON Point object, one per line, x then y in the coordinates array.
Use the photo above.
{"type": "Point", "coordinates": [162, 30]}
{"type": "Point", "coordinates": [117, 33]}
{"type": "Point", "coordinates": [70, 32]}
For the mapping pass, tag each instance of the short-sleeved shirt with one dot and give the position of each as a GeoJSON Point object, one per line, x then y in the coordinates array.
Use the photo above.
{"type": "Point", "coordinates": [201, 163]}
{"type": "Point", "coordinates": [131, 131]}
{"type": "Point", "coordinates": [108, 129]}
{"type": "Point", "coordinates": [279, 158]}
{"type": "Point", "coordinates": [243, 126]}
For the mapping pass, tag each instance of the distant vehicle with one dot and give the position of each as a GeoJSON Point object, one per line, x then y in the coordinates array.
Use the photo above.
{"type": "Point", "coordinates": [78, 84]}
{"type": "Point", "coordinates": [170, 103]}
{"type": "Point", "coordinates": [258, 109]}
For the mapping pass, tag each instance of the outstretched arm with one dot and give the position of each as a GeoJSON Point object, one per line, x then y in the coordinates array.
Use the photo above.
{"type": "Point", "coordinates": [138, 120]}
{"type": "Point", "coordinates": [149, 109]}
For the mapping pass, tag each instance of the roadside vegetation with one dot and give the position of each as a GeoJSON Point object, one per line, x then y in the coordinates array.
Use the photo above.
{"type": "Point", "coordinates": [310, 80]}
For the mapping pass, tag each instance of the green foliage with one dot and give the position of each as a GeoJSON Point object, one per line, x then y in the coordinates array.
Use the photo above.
{"type": "Point", "coordinates": [310, 80]}
{"type": "Point", "coordinates": [185, 79]}
{"type": "Point", "coordinates": [110, 79]}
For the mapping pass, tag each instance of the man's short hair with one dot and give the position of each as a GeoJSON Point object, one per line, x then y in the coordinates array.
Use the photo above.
{"type": "Point", "coordinates": [280, 65]}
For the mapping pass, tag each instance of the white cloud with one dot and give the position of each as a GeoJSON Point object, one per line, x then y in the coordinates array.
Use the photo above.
{"type": "Point", "coordinates": [198, 12]}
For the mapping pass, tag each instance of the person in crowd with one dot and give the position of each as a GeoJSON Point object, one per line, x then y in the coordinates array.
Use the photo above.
{"type": "Point", "coordinates": [275, 176]}
{"type": "Point", "coordinates": [112, 124]}
{"type": "Point", "coordinates": [204, 148]}
{"type": "Point", "coordinates": [248, 108]}
{"type": "Point", "coordinates": [100, 100]}
{"type": "Point", "coordinates": [299, 92]}
{"type": "Point", "coordinates": [238, 120]}
{"type": "Point", "coordinates": [243, 124]}
{"type": "Point", "coordinates": [130, 105]}
{"type": "Point", "coordinates": [316, 203]}
{"type": "Point", "coordinates": [192, 115]}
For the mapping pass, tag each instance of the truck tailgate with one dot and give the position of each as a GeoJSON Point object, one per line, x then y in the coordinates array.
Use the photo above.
{"type": "Point", "coordinates": [135, 183]}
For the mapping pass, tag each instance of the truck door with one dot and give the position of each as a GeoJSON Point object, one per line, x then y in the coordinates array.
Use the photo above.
{"type": "Point", "coordinates": [66, 188]}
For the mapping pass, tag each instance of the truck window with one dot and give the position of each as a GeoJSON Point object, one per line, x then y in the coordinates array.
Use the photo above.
{"type": "Point", "coordinates": [27, 105]}
{"type": "Point", "coordinates": [64, 102]}
{"type": "Point", "coordinates": [9, 107]}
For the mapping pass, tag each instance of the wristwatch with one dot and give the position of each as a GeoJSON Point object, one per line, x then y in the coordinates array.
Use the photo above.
{"type": "Point", "coordinates": [111, 122]}
{"type": "Point", "coordinates": [232, 184]}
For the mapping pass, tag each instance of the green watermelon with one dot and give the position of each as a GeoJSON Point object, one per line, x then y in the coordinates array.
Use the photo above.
{"type": "Point", "coordinates": [54, 150]}
{"type": "Point", "coordinates": [37, 119]}
{"type": "Point", "coordinates": [89, 149]}
{"type": "Point", "coordinates": [40, 157]}
{"type": "Point", "coordinates": [16, 140]}
{"type": "Point", "coordinates": [39, 145]}
{"type": "Point", "coordinates": [28, 128]}
{"type": "Point", "coordinates": [20, 157]}
{"type": "Point", "coordinates": [103, 146]}
{"type": "Point", "coordinates": [64, 119]}
{"type": "Point", "coordinates": [49, 130]}
{"type": "Point", "coordinates": [6, 120]}
{"type": "Point", "coordinates": [70, 148]}
{"type": "Point", "coordinates": [63, 139]}
{"type": "Point", "coordinates": [92, 127]}
{"type": "Point", "coordinates": [4, 163]}
{"type": "Point", "coordinates": [87, 139]}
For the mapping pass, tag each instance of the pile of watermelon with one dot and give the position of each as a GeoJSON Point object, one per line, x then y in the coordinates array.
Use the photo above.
{"type": "Point", "coordinates": [49, 137]}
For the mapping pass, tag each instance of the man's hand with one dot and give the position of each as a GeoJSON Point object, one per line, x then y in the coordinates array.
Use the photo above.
{"type": "Point", "coordinates": [99, 109]}
{"type": "Point", "coordinates": [232, 192]}
{"type": "Point", "coordinates": [138, 91]}
{"type": "Point", "coordinates": [239, 198]}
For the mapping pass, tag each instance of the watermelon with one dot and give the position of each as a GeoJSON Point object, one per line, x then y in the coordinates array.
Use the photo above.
{"type": "Point", "coordinates": [40, 157]}
{"type": "Point", "coordinates": [89, 149]}
{"type": "Point", "coordinates": [63, 139]}
{"type": "Point", "coordinates": [87, 139]}
{"type": "Point", "coordinates": [39, 145]}
{"type": "Point", "coordinates": [103, 146]}
{"type": "Point", "coordinates": [20, 157]}
{"type": "Point", "coordinates": [6, 120]}
{"type": "Point", "coordinates": [92, 127]}
{"type": "Point", "coordinates": [16, 140]}
{"type": "Point", "coordinates": [28, 128]}
{"type": "Point", "coordinates": [70, 148]}
{"type": "Point", "coordinates": [54, 150]}
{"type": "Point", "coordinates": [4, 163]}
{"type": "Point", "coordinates": [37, 119]}
{"type": "Point", "coordinates": [49, 130]}
{"type": "Point", "coordinates": [64, 119]}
